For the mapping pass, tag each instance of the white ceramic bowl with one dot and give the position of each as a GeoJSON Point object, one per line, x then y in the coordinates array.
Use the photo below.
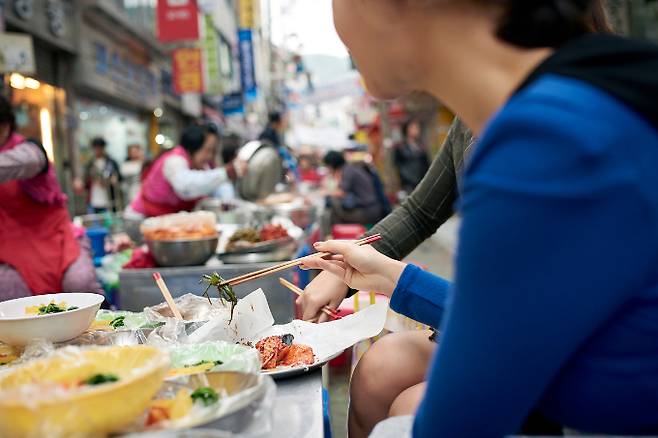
{"type": "Point", "coordinates": [17, 328]}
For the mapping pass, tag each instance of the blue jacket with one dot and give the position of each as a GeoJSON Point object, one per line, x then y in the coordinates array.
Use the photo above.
{"type": "Point", "coordinates": [555, 300]}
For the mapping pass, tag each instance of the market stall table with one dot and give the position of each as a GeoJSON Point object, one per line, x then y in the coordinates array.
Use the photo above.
{"type": "Point", "coordinates": [298, 407]}
{"type": "Point", "coordinates": [138, 290]}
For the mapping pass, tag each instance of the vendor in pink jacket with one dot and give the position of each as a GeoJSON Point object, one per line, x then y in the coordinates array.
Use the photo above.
{"type": "Point", "coordinates": [181, 177]}
{"type": "Point", "coordinates": [39, 252]}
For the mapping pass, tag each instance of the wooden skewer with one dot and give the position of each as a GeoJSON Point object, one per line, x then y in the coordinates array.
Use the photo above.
{"type": "Point", "coordinates": [167, 295]}
{"type": "Point", "coordinates": [325, 309]}
{"type": "Point", "coordinates": [287, 265]}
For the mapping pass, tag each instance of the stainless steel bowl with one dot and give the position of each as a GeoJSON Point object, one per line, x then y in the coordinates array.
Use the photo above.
{"type": "Point", "coordinates": [170, 253]}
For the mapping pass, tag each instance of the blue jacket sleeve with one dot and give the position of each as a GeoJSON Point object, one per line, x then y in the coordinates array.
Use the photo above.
{"type": "Point", "coordinates": [421, 296]}
{"type": "Point", "coordinates": [543, 263]}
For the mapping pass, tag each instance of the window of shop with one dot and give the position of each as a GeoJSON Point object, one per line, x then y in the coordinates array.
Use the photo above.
{"type": "Point", "coordinates": [39, 113]}
{"type": "Point", "coordinates": [118, 127]}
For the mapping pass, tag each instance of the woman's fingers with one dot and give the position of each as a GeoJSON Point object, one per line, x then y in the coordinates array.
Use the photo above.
{"type": "Point", "coordinates": [335, 246]}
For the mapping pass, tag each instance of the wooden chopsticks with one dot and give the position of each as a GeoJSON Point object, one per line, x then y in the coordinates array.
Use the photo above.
{"type": "Point", "coordinates": [287, 265]}
{"type": "Point", "coordinates": [333, 314]}
{"type": "Point", "coordinates": [167, 295]}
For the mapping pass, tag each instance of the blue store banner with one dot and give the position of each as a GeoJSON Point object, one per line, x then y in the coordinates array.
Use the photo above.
{"type": "Point", "coordinates": [247, 68]}
{"type": "Point", "coordinates": [233, 104]}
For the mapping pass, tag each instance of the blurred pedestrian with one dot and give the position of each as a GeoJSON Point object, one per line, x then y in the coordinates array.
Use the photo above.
{"type": "Point", "coordinates": [38, 251]}
{"type": "Point", "coordinates": [410, 156]}
{"type": "Point", "coordinates": [102, 179]}
{"type": "Point", "coordinates": [273, 134]}
{"type": "Point", "coordinates": [131, 171]}
{"type": "Point", "coordinates": [359, 197]}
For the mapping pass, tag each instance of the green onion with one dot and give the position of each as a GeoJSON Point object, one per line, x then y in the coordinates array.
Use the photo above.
{"type": "Point", "coordinates": [205, 395]}
{"type": "Point", "coordinates": [99, 379]}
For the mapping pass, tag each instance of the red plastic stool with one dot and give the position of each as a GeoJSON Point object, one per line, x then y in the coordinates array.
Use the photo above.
{"type": "Point", "coordinates": [347, 231]}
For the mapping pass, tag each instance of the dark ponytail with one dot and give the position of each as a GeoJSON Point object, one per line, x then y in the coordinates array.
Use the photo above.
{"type": "Point", "coordinates": [543, 23]}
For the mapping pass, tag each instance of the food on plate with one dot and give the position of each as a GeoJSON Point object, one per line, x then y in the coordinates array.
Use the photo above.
{"type": "Point", "coordinates": [169, 409]}
{"type": "Point", "coordinates": [8, 354]}
{"type": "Point", "coordinates": [226, 292]}
{"type": "Point", "coordinates": [272, 232]}
{"type": "Point", "coordinates": [248, 237]}
{"type": "Point", "coordinates": [45, 309]}
{"type": "Point", "coordinates": [242, 238]}
{"type": "Point", "coordinates": [180, 226]}
{"type": "Point", "coordinates": [280, 351]}
{"type": "Point", "coordinates": [99, 379]}
{"type": "Point", "coordinates": [119, 321]}
{"type": "Point", "coordinates": [205, 395]}
{"type": "Point", "coordinates": [180, 406]}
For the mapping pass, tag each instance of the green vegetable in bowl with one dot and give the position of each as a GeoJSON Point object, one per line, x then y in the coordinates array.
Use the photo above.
{"type": "Point", "coordinates": [226, 292]}
{"type": "Point", "coordinates": [99, 379]}
{"type": "Point", "coordinates": [205, 395]}
{"type": "Point", "coordinates": [203, 362]}
{"type": "Point", "coordinates": [50, 308]}
{"type": "Point", "coordinates": [117, 322]}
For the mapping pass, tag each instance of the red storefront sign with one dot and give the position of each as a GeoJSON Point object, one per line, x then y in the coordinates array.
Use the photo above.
{"type": "Point", "coordinates": [188, 71]}
{"type": "Point", "coordinates": [178, 20]}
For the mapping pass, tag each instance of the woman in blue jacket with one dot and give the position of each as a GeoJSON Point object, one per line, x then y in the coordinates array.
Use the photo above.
{"type": "Point", "coordinates": [555, 300]}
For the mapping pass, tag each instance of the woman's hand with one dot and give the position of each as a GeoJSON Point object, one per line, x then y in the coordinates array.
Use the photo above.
{"type": "Point", "coordinates": [325, 290]}
{"type": "Point", "coordinates": [360, 267]}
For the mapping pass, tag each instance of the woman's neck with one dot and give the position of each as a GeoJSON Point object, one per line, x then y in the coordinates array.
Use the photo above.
{"type": "Point", "coordinates": [476, 86]}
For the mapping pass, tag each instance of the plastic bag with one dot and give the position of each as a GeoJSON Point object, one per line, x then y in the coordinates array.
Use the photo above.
{"type": "Point", "coordinates": [233, 357]}
{"type": "Point", "coordinates": [253, 418]}
{"type": "Point", "coordinates": [193, 308]}
{"type": "Point", "coordinates": [77, 392]}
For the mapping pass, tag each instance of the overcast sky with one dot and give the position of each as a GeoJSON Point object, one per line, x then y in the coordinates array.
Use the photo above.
{"type": "Point", "coordinates": [311, 21]}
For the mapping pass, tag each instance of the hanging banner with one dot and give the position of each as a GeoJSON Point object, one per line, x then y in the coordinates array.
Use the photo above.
{"type": "Point", "coordinates": [247, 68]}
{"type": "Point", "coordinates": [188, 74]}
{"type": "Point", "coordinates": [246, 14]}
{"type": "Point", "coordinates": [212, 73]}
{"type": "Point", "coordinates": [233, 104]}
{"type": "Point", "coordinates": [178, 20]}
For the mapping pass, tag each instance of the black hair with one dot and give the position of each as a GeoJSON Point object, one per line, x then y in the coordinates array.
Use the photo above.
{"type": "Point", "coordinates": [7, 114]}
{"type": "Point", "coordinates": [230, 145]}
{"type": "Point", "coordinates": [274, 117]}
{"type": "Point", "coordinates": [406, 125]}
{"type": "Point", "coordinates": [98, 142]}
{"type": "Point", "coordinates": [334, 160]}
{"type": "Point", "coordinates": [543, 23]}
{"type": "Point", "coordinates": [194, 136]}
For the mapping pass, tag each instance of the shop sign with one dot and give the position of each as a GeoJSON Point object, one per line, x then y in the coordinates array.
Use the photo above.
{"type": "Point", "coordinates": [178, 20]}
{"type": "Point", "coordinates": [233, 104]}
{"type": "Point", "coordinates": [16, 53]}
{"type": "Point", "coordinates": [123, 74]}
{"type": "Point", "coordinates": [246, 14]}
{"type": "Point", "coordinates": [212, 77]}
{"type": "Point", "coordinates": [188, 76]}
{"type": "Point", "coordinates": [247, 67]}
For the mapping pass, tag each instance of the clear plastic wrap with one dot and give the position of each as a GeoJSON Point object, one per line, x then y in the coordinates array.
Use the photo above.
{"type": "Point", "coordinates": [192, 307]}
{"type": "Point", "coordinates": [233, 357]}
{"type": "Point", "coordinates": [79, 391]}
{"type": "Point", "coordinates": [247, 414]}
{"type": "Point", "coordinates": [120, 320]}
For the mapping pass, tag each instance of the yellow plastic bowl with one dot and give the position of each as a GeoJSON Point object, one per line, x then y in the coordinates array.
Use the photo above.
{"type": "Point", "coordinates": [27, 412]}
